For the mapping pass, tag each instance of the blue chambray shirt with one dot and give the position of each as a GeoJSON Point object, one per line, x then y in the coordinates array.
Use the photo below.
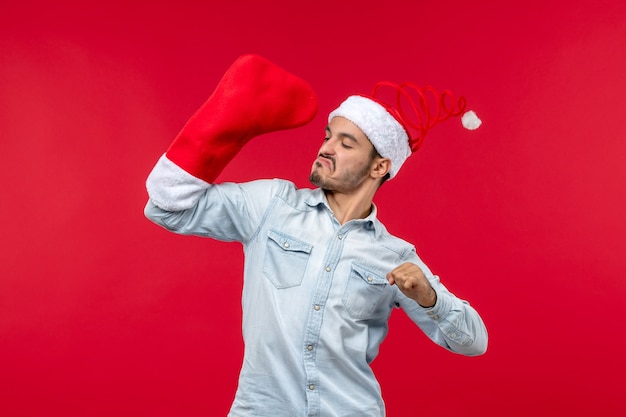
{"type": "Point", "coordinates": [315, 300]}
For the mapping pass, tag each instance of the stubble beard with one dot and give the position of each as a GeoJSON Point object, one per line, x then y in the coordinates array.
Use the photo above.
{"type": "Point", "coordinates": [348, 182]}
{"type": "Point", "coordinates": [316, 179]}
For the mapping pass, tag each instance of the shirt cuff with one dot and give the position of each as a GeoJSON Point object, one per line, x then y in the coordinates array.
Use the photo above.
{"type": "Point", "coordinates": [441, 309]}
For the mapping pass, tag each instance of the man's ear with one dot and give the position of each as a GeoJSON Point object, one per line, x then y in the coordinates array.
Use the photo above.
{"type": "Point", "coordinates": [380, 167]}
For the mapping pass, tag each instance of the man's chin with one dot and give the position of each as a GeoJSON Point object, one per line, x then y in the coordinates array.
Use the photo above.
{"type": "Point", "coordinates": [316, 179]}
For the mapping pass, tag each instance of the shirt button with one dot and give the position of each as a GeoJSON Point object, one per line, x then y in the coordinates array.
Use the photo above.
{"type": "Point", "coordinates": [286, 244]}
{"type": "Point", "coordinates": [435, 317]}
{"type": "Point", "coordinates": [328, 269]}
{"type": "Point", "coordinates": [311, 387]}
{"type": "Point", "coordinates": [310, 347]}
{"type": "Point", "coordinates": [339, 237]}
{"type": "Point", "coordinates": [370, 279]}
{"type": "Point", "coordinates": [453, 335]}
{"type": "Point", "coordinates": [316, 307]}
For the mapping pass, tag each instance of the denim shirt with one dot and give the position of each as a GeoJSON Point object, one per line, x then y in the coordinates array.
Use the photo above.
{"type": "Point", "coordinates": [315, 298]}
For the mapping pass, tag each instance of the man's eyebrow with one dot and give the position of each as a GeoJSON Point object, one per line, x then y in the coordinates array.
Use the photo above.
{"type": "Point", "coordinates": [343, 135]}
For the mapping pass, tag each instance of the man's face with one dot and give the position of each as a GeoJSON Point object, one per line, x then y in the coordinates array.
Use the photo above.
{"type": "Point", "coordinates": [345, 158]}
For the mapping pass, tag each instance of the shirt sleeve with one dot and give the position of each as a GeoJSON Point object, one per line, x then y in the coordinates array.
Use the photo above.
{"type": "Point", "coordinates": [186, 205]}
{"type": "Point", "coordinates": [451, 323]}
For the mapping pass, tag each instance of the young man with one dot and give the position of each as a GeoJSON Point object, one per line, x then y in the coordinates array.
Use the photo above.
{"type": "Point", "coordinates": [321, 273]}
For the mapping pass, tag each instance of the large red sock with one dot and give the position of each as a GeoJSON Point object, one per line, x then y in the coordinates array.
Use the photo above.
{"type": "Point", "coordinates": [253, 97]}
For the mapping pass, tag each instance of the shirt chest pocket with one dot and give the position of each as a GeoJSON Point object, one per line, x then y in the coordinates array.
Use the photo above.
{"type": "Point", "coordinates": [363, 292]}
{"type": "Point", "coordinates": [286, 259]}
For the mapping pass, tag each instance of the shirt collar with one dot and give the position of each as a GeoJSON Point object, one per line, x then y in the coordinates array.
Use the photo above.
{"type": "Point", "coordinates": [317, 197]}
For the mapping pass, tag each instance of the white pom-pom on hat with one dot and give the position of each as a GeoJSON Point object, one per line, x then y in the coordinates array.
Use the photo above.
{"type": "Point", "coordinates": [470, 120]}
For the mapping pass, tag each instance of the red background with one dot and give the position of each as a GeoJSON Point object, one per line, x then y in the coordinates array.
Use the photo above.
{"type": "Point", "coordinates": [103, 313]}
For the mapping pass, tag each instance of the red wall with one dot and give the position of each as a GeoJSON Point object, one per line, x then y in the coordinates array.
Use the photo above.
{"type": "Point", "coordinates": [103, 313]}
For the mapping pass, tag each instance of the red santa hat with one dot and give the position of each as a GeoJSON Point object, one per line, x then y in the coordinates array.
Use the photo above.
{"type": "Point", "coordinates": [396, 124]}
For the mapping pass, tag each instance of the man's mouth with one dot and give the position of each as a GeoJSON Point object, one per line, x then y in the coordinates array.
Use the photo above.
{"type": "Point", "coordinates": [323, 160]}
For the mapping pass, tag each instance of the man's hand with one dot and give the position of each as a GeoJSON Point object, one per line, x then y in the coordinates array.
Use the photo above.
{"type": "Point", "coordinates": [413, 283]}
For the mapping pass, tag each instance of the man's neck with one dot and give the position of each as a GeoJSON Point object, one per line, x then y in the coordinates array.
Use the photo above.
{"type": "Point", "coordinates": [352, 206]}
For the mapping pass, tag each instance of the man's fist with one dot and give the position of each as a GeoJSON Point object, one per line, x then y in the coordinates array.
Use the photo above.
{"type": "Point", "coordinates": [413, 283]}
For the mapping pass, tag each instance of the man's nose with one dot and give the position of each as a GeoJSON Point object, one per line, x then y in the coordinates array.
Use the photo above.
{"type": "Point", "coordinates": [328, 147]}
